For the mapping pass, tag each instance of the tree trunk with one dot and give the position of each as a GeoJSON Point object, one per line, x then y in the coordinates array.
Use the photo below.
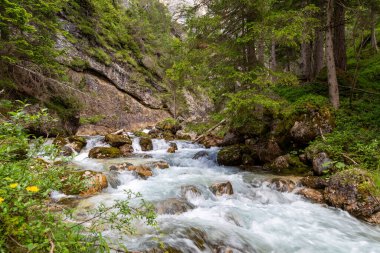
{"type": "Point", "coordinates": [317, 53]}
{"type": "Point", "coordinates": [331, 69]}
{"type": "Point", "coordinates": [373, 30]}
{"type": "Point", "coordinates": [306, 60]}
{"type": "Point", "coordinates": [273, 60]}
{"type": "Point", "coordinates": [260, 51]}
{"type": "Point", "coordinates": [339, 34]}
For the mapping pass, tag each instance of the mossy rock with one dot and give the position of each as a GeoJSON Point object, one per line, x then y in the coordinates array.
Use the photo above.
{"type": "Point", "coordinates": [76, 138]}
{"type": "Point", "coordinates": [169, 124]}
{"type": "Point", "coordinates": [146, 144]}
{"type": "Point", "coordinates": [353, 190]}
{"type": "Point", "coordinates": [141, 134]}
{"type": "Point", "coordinates": [60, 141]}
{"type": "Point", "coordinates": [116, 140]}
{"type": "Point", "coordinates": [104, 152]}
{"type": "Point", "coordinates": [289, 165]}
{"type": "Point", "coordinates": [231, 156]}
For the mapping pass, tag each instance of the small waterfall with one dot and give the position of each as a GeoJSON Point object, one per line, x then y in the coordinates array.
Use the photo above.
{"type": "Point", "coordinates": [136, 145]}
{"type": "Point", "coordinates": [160, 144]}
{"type": "Point", "coordinates": [82, 159]}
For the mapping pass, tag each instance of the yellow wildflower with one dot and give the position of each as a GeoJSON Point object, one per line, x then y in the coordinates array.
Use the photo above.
{"type": "Point", "coordinates": [32, 188]}
{"type": "Point", "coordinates": [14, 185]}
{"type": "Point", "coordinates": [1, 200]}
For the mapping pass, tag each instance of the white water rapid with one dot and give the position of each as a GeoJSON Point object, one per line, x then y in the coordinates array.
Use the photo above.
{"type": "Point", "coordinates": [254, 219]}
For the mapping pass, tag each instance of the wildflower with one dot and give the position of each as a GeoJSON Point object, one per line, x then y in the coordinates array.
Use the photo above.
{"type": "Point", "coordinates": [14, 185]}
{"type": "Point", "coordinates": [32, 188]}
{"type": "Point", "coordinates": [1, 200]}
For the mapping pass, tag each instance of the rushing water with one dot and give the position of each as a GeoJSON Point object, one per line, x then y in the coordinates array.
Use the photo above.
{"type": "Point", "coordinates": [254, 219]}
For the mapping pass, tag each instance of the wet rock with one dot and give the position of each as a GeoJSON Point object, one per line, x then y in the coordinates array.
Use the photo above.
{"type": "Point", "coordinates": [168, 136]}
{"type": "Point", "coordinates": [171, 150]}
{"type": "Point", "coordinates": [230, 156]}
{"type": "Point", "coordinates": [142, 171]}
{"type": "Point", "coordinates": [280, 163]}
{"type": "Point", "coordinates": [182, 135]}
{"type": "Point", "coordinates": [173, 206]}
{"type": "Point", "coordinates": [67, 150]}
{"type": "Point", "coordinates": [200, 154]}
{"type": "Point", "coordinates": [353, 190]}
{"type": "Point", "coordinates": [60, 141]}
{"type": "Point", "coordinates": [190, 190]}
{"type": "Point", "coordinates": [146, 144]}
{"type": "Point", "coordinates": [158, 165]}
{"type": "Point", "coordinates": [126, 150]}
{"type": "Point", "coordinates": [104, 152]}
{"type": "Point", "coordinates": [314, 182]}
{"type": "Point", "coordinates": [264, 152]}
{"type": "Point", "coordinates": [312, 194]}
{"type": "Point", "coordinates": [117, 140]}
{"type": "Point", "coordinates": [94, 183]}
{"type": "Point", "coordinates": [211, 141]}
{"type": "Point", "coordinates": [155, 133]}
{"type": "Point", "coordinates": [113, 180]}
{"type": "Point", "coordinates": [120, 167]}
{"type": "Point", "coordinates": [174, 145]}
{"type": "Point", "coordinates": [321, 163]}
{"type": "Point", "coordinates": [282, 184]}
{"type": "Point", "coordinates": [219, 189]}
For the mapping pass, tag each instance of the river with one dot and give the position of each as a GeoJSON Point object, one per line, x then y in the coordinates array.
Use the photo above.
{"type": "Point", "coordinates": [254, 218]}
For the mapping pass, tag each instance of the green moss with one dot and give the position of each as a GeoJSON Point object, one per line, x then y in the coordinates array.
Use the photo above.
{"type": "Point", "coordinates": [79, 64]}
{"type": "Point", "coordinates": [101, 55]}
{"type": "Point", "coordinates": [141, 134]}
{"type": "Point", "coordinates": [91, 119]}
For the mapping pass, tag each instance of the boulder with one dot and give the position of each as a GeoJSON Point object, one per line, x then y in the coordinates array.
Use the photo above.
{"type": "Point", "coordinates": [312, 194]}
{"type": "Point", "coordinates": [353, 190]}
{"type": "Point", "coordinates": [230, 156]}
{"type": "Point", "coordinates": [146, 144]}
{"type": "Point", "coordinates": [60, 141]}
{"type": "Point", "coordinates": [311, 125]}
{"type": "Point", "coordinates": [282, 184]}
{"type": "Point", "coordinates": [118, 140]}
{"type": "Point", "coordinates": [120, 167]}
{"type": "Point", "coordinates": [67, 150]}
{"type": "Point", "coordinates": [94, 183]}
{"type": "Point", "coordinates": [182, 135]}
{"type": "Point", "coordinates": [190, 190]}
{"type": "Point", "coordinates": [104, 152]}
{"type": "Point", "coordinates": [200, 154]}
{"type": "Point", "coordinates": [375, 218]}
{"type": "Point", "coordinates": [321, 163]}
{"type": "Point", "coordinates": [158, 165]}
{"type": "Point", "coordinates": [126, 150]}
{"type": "Point", "coordinates": [280, 163]}
{"type": "Point", "coordinates": [264, 152]}
{"type": "Point", "coordinates": [173, 206]}
{"type": "Point", "coordinates": [171, 150]}
{"type": "Point", "coordinates": [231, 138]}
{"type": "Point", "coordinates": [169, 125]}
{"type": "Point", "coordinates": [174, 145]}
{"type": "Point", "coordinates": [142, 171]}
{"type": "Point", "coordinates": [211, 141]}
{"type": "Point", "coordinates": [113, 179]}
{"type": "Point", "coordinates": [219, 189]}
{"type": "Point", "coordinates": [314, 182]}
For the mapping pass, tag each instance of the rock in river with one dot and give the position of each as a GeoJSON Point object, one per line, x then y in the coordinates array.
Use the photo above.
{"type": "Point", "coordinates": [220, 189]}
{"type": "Point", "coordinates": [104, 152]}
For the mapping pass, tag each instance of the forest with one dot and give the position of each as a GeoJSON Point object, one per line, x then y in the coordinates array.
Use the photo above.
{"type": "Point", "coordinates": [189, 126]}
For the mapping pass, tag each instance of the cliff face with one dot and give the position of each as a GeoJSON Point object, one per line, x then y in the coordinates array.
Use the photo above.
{"type": "Point", "coordinates": [112, 80]}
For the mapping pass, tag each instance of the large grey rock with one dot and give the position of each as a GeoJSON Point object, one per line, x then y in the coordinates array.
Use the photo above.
{"type": "Point", "coordinates": [173, 206]}
{"type": "Point", "coordinates": [219, 189]}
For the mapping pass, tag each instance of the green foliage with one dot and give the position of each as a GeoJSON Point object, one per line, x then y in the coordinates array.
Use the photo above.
{"type": "Point", "coordinates": [28, 30]}
{"type": "Point", "coordinates": [27, 223]}
{"type": "Point", "coordinates": [79, 64]}
{"type": "Point", "coordinates": [91, 119]}
{"type": "Point", "coordinates": [252, 112]}
{"type": "Point", "coordinates": [101, 55]}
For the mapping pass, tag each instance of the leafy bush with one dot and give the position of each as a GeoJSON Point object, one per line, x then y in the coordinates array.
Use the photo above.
{"type": "Point", "coordinates": [27, 222]}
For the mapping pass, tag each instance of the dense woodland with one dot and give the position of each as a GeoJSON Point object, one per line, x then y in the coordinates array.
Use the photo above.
{"type": "Point", "coordinates": [271, 69]}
